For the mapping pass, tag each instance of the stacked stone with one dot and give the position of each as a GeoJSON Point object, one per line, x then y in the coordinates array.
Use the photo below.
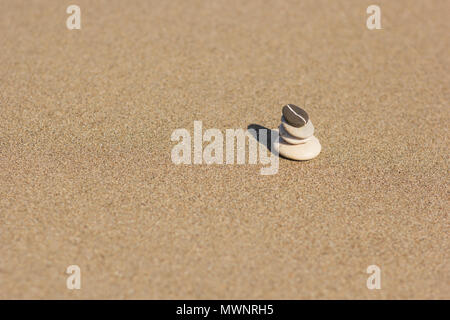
{"type": "Point", "coordinates": [297, 140]}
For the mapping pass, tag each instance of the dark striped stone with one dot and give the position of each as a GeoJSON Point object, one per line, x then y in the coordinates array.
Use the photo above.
{"type": "Point", "coordinates": [295, 116]}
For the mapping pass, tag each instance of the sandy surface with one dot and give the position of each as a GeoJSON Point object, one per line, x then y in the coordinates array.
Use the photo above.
{"type": "Point", "coordinates": [86, 176]}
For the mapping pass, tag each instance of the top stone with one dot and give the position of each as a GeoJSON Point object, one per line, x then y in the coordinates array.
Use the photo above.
{"type": "Point", "coordinates": [295, 116]}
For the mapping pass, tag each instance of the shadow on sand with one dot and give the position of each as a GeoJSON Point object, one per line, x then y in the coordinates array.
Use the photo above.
{"type": "Point", "coordinates": [254, 130]}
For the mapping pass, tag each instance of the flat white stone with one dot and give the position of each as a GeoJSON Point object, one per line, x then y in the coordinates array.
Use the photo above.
{"type": "Point", "coordinates": [304, 151]}
{"type": "Point", "coordinates": [290, 138]}
{"type": "Point", "coordinates": [300, 133]}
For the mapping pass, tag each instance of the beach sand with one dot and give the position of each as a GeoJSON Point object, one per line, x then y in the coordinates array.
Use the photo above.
{"type": "Point", "coordinates": [86, 176]}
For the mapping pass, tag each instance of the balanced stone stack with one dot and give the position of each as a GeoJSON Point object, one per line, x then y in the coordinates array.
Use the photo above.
{"type": "Point", "coordinates": [297, 140]}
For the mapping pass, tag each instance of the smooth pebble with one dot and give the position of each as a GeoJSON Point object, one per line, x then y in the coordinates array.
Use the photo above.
{"type": "Point", "coordinates": [295, 116]}
{"type": "Point", "coordinates": [301, 133]}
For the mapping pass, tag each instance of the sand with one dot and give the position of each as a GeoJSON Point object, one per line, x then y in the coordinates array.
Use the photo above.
{"type": "Point", "coordinates": [86, 176]}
